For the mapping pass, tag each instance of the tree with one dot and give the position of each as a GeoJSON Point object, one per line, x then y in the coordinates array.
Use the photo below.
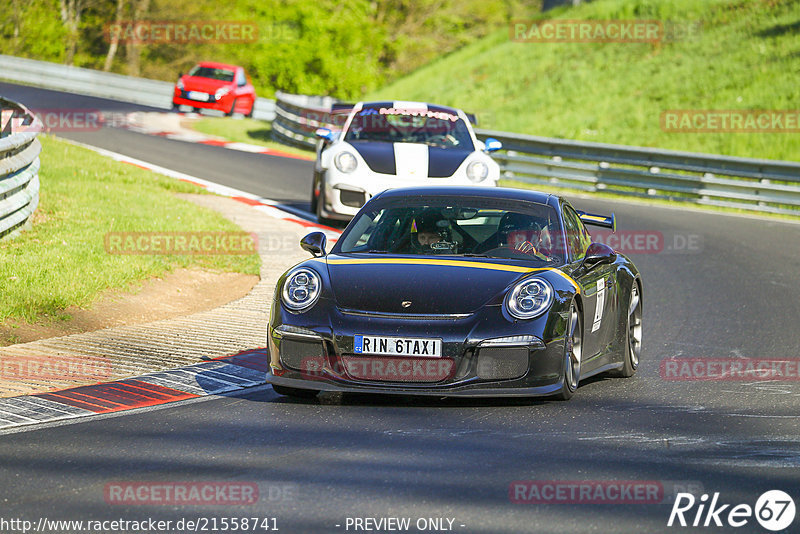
{"type": "Point", "coordinates": [133, 52]}
{"type": "Point", "coordinates": [71, 11]}
{"type": "Point", "coordinates": [114, 37]}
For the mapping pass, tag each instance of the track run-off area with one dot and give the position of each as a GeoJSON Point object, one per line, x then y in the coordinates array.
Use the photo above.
{"type": "Point", "coordinates": [717, 287]}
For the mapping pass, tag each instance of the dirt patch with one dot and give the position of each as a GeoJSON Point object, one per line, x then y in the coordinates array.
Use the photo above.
{"type": "Point", "coordinates": [182, 292]}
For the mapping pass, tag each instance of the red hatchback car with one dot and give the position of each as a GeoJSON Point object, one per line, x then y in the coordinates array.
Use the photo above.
{"type": "Point", "coordinates": [216, 86]}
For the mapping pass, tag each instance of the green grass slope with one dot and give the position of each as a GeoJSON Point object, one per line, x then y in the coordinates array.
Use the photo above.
{"type": "Point", "coordinates": [743, 54]}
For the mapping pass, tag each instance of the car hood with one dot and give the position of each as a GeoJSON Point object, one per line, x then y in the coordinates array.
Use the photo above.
{"type": "Point", "coordinates": [410, 159]}
{"type": "Point", "coordinates": [379, 283]}
{"type": "Point", "coordinates": [207, 85]}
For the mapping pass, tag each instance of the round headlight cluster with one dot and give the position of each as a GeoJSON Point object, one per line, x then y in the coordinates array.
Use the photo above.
{"type": "Point", "coordinates": [345, 162]}
{"type": "Point", "coordinates": [477, 171]}
{"type": "Point", "coordinates": [222, 91]}
{"type": "Point", "coordinates": [301, 289]}
{"type": "Point", "coordinates": [529, 298]}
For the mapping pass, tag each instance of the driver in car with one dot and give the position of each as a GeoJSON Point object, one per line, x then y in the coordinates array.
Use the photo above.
{"type": "Point", "coordinates": [519, 232]}
{"type": "Point", "coordinates": [429, 234]}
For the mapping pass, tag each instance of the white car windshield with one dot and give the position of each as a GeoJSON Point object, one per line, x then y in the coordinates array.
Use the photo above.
{"type": "Point", "coordinates": [390, 125]}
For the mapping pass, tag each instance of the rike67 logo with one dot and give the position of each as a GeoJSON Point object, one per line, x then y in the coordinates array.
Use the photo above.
{"type": "Point", "coordinates": [774, 510]}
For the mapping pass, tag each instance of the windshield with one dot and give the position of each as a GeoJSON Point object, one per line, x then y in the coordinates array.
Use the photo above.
{"type": "Point", "coordinates": [396, 125]}
{"type": "Point", "coordinates": [476, 227]}
{"type": "Point", "coordinates": [223, 75]}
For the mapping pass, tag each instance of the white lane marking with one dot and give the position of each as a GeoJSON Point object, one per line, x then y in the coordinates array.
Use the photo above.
{"type": "Point", "coordinates": [246, 147]}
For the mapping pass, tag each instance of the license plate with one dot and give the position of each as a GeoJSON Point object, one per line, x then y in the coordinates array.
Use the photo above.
{"type": "Point", "coordinates": [398, 346]}
{"type": "Point", "coordinates": [197, 95]}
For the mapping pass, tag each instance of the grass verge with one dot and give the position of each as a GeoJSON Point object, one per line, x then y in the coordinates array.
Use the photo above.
{"type": "Point", "coordinates": [62, 261]}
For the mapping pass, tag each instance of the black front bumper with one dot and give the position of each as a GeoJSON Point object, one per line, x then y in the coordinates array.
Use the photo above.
{"type": "Point", "coordinates": [486, 360]}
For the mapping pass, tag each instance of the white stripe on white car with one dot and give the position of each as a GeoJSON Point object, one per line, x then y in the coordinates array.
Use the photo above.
{"type": "Point", "coordinates": [411, 160]}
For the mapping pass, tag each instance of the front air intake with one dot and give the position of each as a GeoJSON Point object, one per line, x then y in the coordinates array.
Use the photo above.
{"type": "Point", "coordinates": [502, 363]}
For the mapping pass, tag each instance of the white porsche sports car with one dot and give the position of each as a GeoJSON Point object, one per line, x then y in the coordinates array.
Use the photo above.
{"type": "Point", "coordinates": [384, 145]}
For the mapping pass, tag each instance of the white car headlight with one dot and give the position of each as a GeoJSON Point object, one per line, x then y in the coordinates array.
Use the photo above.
{"type": "Point", "coordinates": [477, 171]}
{"type": "Point", "coordinates": [222, 91]}
{"type": "Point", "coordinates": [180, 85]}
{"type": "Point", "coordinates": [529, 298]}
{"type": "Point", "coordinates": [345, 162]}
{"type": "Point", "coordinates": [301, 289]}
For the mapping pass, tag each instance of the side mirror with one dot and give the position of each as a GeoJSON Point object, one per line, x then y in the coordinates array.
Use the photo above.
{"type": "Point", "coordinates": [492, 145]}
{"type": "Point", "coordinates": [598, 253]}
{"type": "Point", "coordinates": [314, 243]}
{"type": "Point", "coordinates": [325, 133]}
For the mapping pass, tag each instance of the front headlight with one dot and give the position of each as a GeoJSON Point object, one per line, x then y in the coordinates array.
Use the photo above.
{"type": "Point", "coordinates": [301, 289]}
{"type": "Point", "coordinates": [529, 298]}
{"type": "Point", "coordinates": [477, 171]}
{"type": "Point", "coordinates": [180, 85]}
{"type": "Point", "coordinates": [345, 162]}
{"type": "Point", "coordinates": [222, 91]}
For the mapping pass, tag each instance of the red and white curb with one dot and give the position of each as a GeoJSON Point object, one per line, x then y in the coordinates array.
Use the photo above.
{"type": "Point", "coordinates": [132, 123]}
{"type": "Point", "coordinates": [223, 375]}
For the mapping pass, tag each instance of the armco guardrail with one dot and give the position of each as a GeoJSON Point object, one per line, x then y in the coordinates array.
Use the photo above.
{"type": "Point", "coordinates": [752, 184]}
{"type": "Point", "coordinates": [19, 166]}
{"type": "Point", "coordinates": [90, 82]}
{"type": "Point", "coordinates": [298, 116]}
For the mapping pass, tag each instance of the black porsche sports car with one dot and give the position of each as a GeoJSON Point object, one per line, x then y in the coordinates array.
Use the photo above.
{"type": "Point", "coordinates": [457, 291]}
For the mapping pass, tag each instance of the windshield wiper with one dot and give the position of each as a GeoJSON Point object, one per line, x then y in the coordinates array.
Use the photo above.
{"type": "Point", "coordinates": [471, 255]}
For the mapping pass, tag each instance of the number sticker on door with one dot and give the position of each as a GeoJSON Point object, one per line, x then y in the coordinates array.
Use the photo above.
{"type": "Point", "coordinates": [601, 304]}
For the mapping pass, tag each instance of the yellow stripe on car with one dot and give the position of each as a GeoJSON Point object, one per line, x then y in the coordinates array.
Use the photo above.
{"type": "Point", "coordinates": [453, 263]}
{"type": "Point", "coordinates": [594, 217]}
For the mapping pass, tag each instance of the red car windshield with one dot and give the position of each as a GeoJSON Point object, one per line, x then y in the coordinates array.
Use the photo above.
{"type": "Point", "coordinates": [223, 75]}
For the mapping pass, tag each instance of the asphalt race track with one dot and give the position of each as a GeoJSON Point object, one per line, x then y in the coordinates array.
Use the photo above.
{"type": "Point", "coordinates": [718, 287]}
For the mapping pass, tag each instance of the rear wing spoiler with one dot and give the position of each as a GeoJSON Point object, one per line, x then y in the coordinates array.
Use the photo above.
{"type": "Point", "coordinates": [599, 220]}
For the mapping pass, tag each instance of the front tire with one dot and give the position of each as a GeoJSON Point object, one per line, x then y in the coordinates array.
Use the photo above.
{"type": "Point", "coordinates": [314, 201]}
{"type": "Point", "coordinates": [573, 350]}
{"type": "Point", "coordinates": [321, 202]}
{"type": "Point", "coordinates": [233, 108]}
{"type": "Point", "coordinates": [294, 392]}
